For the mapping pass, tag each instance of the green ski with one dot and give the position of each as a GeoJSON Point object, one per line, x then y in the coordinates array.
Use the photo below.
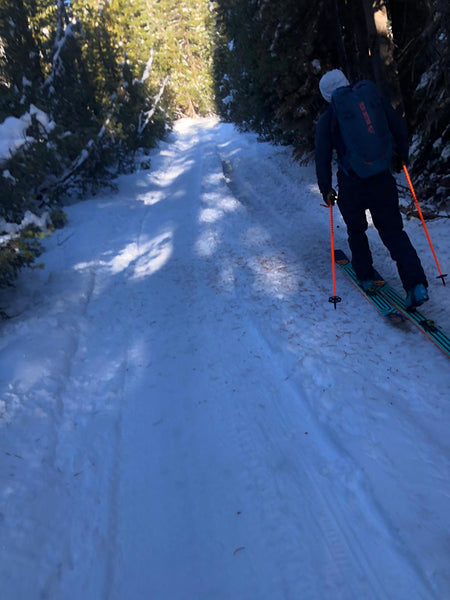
{"type": "Point", "coordinates": [391, 305]}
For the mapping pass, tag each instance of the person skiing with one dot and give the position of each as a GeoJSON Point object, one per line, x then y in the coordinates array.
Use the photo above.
{"type": "Point", "coordinates": [373, 187]}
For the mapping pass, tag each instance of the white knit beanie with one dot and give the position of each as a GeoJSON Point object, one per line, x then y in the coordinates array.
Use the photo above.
{"type": "Point", "coordinates": [331, 81]}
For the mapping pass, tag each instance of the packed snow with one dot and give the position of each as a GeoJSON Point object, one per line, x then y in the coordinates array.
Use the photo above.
{"type": "Point", "coordinates": [185, 416]}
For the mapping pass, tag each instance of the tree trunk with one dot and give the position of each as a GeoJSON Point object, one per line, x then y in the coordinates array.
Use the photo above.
{"type": "Point", "coordinates": [381, 50]}
{"type": "Point", "coordinates": [343, 58]}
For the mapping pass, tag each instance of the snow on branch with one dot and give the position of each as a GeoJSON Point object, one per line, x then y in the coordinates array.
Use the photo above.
{"type": "Point", "coordinates": [148, 67]}
{"type": "Point", "coordinates": [83, 156]}
{"type": "Point", "coordinates": [146, 116]}
{"type": "Point", "coordinates": [65, 29]}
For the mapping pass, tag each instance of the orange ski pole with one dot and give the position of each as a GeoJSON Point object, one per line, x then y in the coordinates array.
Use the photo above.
{"type": "Point", "coordinates": [333, 299]}
{"type": "Point", "coordinates": [408, 179]}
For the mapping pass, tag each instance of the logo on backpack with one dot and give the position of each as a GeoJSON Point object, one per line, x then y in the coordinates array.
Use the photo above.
{"type": "Point", "coordinates": [365, 114]}
{"type": "Point", "coordinates": [364, 128]}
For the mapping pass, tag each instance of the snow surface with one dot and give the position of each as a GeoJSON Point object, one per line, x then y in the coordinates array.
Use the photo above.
{"type": "Point", "coordinates": [13, 132]}
{"type": "Point", "coordinates": [184, 416]}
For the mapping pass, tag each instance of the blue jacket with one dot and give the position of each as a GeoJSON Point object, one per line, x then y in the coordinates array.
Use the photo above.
{"type": "Point", "coordinates": [328, 138]}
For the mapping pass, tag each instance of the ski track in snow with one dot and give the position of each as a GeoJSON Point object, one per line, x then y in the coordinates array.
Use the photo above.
{"type": "Point", "coordinates": [184, 416]}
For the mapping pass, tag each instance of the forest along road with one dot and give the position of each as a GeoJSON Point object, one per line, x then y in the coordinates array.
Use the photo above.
{"type": "Point", "coordinates": [184, 416]}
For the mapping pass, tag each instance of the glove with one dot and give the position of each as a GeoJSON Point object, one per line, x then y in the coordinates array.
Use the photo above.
{"type": "Point", "coordinates": [330, 197]}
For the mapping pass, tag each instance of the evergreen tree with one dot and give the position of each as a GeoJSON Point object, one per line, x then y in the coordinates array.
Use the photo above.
{"type": "Point", "coordinates": [110, 74]}
{"type": "Point", "coordinates": [268, 65]}
{"type": "Point", "coordinates": [184, 48]}
{"type": "Point", "coordinates": [20, 56]}
{"type": "Point", "coordinates": [271, 56]}
{"type": "Point", "coordinates": [68, 90]}
{"type": "Point", "coordinates": [422, 36]}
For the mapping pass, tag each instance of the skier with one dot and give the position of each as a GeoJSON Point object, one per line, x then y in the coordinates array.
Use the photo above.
{"type": "Point", "coordinates": [358, 192]}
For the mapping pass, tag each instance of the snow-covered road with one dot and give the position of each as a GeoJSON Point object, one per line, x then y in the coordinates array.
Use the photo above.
{"type": "Point", "coordinates": [184, 416]}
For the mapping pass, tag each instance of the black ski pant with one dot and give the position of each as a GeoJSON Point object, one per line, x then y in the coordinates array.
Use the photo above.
{"type": "Point", "coordinates": [378, 194]}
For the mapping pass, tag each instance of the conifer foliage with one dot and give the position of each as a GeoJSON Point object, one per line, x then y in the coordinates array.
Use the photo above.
{"type": "Point", "coordinates": [88, 83]}
{"type": "Point", "coordinates": [110, 75]}
{"type": "Point", "coordinates": [272, 54]}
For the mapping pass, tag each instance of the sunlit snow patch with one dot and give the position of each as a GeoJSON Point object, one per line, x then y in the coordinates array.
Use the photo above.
{"type": "Point", "coordinates": [207, 243]}
{"type": "Point", "coordinates": [154, 255]}
{"type": "Point", "coordinates": [216, 207]}
{"type": "Point", "coordinates": [143, 258]}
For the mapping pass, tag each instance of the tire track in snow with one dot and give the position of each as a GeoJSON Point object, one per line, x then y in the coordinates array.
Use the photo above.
{"type": "Point", "coordinates": [344, 532]}
{"type": "Point", "coordinates": [181, 192]}
{"type": "Point", "coordinates": [298, 520]}
{"type": "Point", "coordinates": [92, 399]}
{"type": "Point", "coordinates": [323, 485]}
{"type": "Point", "coordinates": [114, 552]}
{"type": "Point", "coordinates": [274, 518]}
{"type": "Point", "coordinates": [48, 397]}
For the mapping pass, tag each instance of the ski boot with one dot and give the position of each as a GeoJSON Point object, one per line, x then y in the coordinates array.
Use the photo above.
{"type": "Point", "coordinates": [416, 296]}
